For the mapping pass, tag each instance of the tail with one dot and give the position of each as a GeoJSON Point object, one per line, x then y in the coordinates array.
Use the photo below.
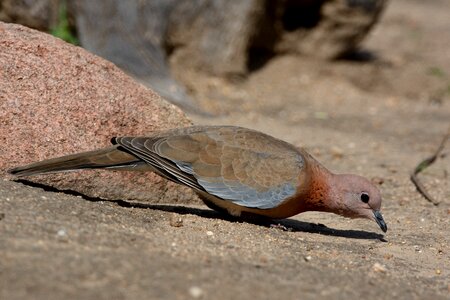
{"type": "Point", "coordinates": [111, 158]}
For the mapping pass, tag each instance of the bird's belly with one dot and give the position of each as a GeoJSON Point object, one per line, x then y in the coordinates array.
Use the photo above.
{"type": "Point", "coordinates": [287, 209]}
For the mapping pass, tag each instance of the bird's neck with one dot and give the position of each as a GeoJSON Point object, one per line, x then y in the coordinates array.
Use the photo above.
{"type": "Point", "coordinates": [323, 194]}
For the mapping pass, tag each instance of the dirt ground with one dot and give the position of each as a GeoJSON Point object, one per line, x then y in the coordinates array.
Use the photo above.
{"type": "Point", "coordinates": [376, 114]}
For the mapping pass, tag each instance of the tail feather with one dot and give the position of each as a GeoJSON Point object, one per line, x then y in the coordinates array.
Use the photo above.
{"type": "Point", "coordinates": [111, 158]}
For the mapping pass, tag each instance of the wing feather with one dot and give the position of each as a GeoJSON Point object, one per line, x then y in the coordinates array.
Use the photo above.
{"type": "Point", "coordinates": [236, 164]}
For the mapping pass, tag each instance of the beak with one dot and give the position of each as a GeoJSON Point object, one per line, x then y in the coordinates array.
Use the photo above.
{"type": "Point", "coordinates": [380, 221]}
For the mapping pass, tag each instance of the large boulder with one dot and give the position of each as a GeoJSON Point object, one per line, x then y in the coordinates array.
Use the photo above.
{"type": "Point", "coordinates": [220, 37]}
{"type": "Point", "coordinates": [57, 99]}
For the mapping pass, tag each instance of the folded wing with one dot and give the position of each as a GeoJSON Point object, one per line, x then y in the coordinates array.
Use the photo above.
{"type": "Point", "coordinates": [236, 164]}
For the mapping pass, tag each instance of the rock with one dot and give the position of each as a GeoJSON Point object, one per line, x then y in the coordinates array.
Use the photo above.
{"type": "Point", "coordinates": [220, 37]}
{"type": "Point", "coordinates": [58, 99]}
{"type": "Point", "coordinates": [223, 38]}
{"type": "Point", "coordinates": [141, 35]}
{"type": "Point", "coordinates": [176, 221]}
{"type": "Point", "coordinates": [195, 292]}
{"type": "Point", "coordinates": [133, 36]}
{"type": "Point", "coordinates": [325, 29]}
{"type": "Point", "coordinates": [379, 268]}
{"type": "Point", "coordinates": [38, 14]}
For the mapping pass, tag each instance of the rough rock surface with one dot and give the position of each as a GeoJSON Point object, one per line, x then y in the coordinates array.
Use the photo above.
{"type": "Point", "coordinates": [58, 99]}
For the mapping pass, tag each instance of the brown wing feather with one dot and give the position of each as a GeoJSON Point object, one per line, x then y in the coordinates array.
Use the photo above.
{"type": "Point", "coordinates": [233, 163]}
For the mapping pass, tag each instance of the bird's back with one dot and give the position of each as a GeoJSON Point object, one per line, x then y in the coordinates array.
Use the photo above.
{"type": "Point", "coordinates": [236, 164]}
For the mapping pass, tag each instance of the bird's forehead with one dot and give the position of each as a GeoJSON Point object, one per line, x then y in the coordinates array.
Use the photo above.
{"type": "Point", "coordinates": [358, 184]}
{"type": "Point", "coordinates": [375, 196]}
{"type": "Point", "coordinates": [373, 190]}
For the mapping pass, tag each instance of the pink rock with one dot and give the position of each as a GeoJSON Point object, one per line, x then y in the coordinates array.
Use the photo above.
{"type": "Point", "coordinates": [58, 99]}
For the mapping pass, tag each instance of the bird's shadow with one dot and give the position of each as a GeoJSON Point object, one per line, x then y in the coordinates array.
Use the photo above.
{"type": "Point", "coordinates": [284, 224]}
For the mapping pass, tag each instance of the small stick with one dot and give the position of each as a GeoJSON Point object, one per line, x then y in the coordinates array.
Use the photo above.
{"type": "Point", "coordinates": [425, 164]}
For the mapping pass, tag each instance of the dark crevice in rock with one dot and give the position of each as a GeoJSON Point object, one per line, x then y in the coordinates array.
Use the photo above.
{"type": "Point", "coordinates": [279, 17]}
{"type": "Point", "coordinates": [301, 14]}
{"type": "Point", "coordinates": [359, 55]}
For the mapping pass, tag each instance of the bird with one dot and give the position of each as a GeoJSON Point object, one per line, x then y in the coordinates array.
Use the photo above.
{"type": "Point", "coordinates": [234, 170]}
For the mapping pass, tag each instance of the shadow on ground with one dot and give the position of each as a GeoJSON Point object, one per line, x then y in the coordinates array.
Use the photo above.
{"type": "Point", "coordinates": [284, 224]}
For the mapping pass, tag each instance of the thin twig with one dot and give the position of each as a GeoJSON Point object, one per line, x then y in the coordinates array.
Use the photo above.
{"type": "Point", "coordinates": [425, 164]}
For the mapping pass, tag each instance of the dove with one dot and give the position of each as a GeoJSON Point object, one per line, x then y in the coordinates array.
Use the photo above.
{"type": "Point", "coordinates": [234, 170]}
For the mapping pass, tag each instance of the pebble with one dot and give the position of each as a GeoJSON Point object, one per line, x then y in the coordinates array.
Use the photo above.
{"type": "Point", "coordinates": [308, 258]}
{"type": "Point", "coordinates": [209, 233]}
{"type": "Point", "coordinates": [280, 227]}
{"type": "Point", "coordinates": [195, 292]}
{"type": "Point", "coordinates": [379, 268]}
{"type": "Point", "coordinates": [321, 115]}
{"type": "Point", "coordinates": [61, 233]}
{"type": "Point", "coordinates": [62, 236]}
{"type": "Point", "coordinates": [337, 152]}
{"type": "Point", "coordinates": [377, 180]}
{"type": "Point", "coordinates": [388, 256]}
{"type": "Point", "coordinates": [176, 221]}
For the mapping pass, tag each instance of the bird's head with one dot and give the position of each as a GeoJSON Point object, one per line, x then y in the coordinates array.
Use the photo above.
{"type": "Point", "coordinates": [359, 198]}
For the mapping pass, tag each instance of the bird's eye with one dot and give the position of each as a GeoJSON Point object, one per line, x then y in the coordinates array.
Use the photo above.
{"type": "Point", "coordinates": [365, 197]}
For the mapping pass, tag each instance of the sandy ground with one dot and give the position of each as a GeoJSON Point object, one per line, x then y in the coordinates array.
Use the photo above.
{"type": "Point", "coordinates": [376, 115]}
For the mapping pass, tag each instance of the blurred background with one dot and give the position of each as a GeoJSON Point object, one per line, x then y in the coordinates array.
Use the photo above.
{"type": "Point", "coordinates": [205, 55]}
{"type": "Point", "coordinates": [199, 54]}
{"type": "Point", "coordinates": [153, 40]}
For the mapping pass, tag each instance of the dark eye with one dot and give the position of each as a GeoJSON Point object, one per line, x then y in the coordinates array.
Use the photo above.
{"type": "Point", "coordinates": [365, 197]}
